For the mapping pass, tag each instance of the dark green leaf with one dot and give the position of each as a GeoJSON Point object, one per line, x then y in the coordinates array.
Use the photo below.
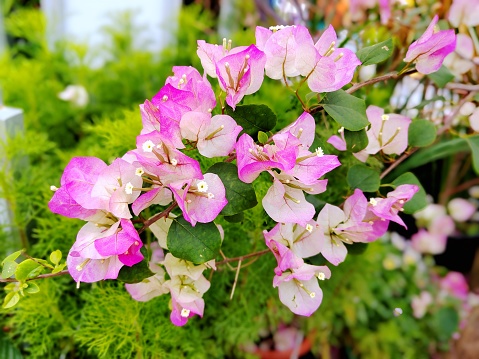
{"type": "Point", "coordinates": [473, 143]}
{"type": "Point", "coordinates": [253, 118]}
{"type": "Point", "coordinates": [357, 248]}
{"type": "Point", "coordinates": [135, 273]}
{"type": "Point", "coordinates": [356, 140]}
{"type": "Point", "coordinates": [240, 195]}
{"type": "Point", "coordinates": [197, 244]}
{"type": "Point", "coordinates": [27, 269]}
{"type": "Point", "coordinates": [421, 133]}
{"type": "Point", "coordinates": [446, 321]}
{"type": "Point", "coordinates": [364, 178]}
{"type": "Point", "coordinates": [441, 77]}
{"type": "Point", "coordinates": [418, 201]}
{"type": "Point", "coordinates": [7, 349]}
{"type": "Point", "coordinates": [377, 53]}
{"type": "Point", "coordinates": [236, 218]}
{"type": "Point", "coordinates": [348, 110]}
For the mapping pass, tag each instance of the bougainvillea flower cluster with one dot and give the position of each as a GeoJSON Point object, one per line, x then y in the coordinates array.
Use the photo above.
{"type": "Point", "coordinates": [182, 123]}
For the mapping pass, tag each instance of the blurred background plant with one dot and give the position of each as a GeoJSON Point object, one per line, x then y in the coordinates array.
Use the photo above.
{"type": "Point", "coordinates": [386, 301]}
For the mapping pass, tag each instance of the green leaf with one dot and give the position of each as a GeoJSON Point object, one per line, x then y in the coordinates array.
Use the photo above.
{"type": "Point", "coordinates": [356, 140]}
{"type": "Point", "coordinates": [348, 110]}
{"type": "Point", "coordinates": [56, 257]}
{"type": "Point", "coordinates": [11, 299]}
{"type": "Point", "coordinates": [236, 218]}
{"type": "Point", "coordinates": [421, 133]}
{"type": "Point", "coordinates": [377, 53]}
{"type": "Point", "coordinates": [12, 257]}
{"type": "Point", "coordinates": [364, 178]}
{"type": "Point", "coordinates": [262, 137]}
{"type": "Point", "coordinates": [441, 77]}
{"type": "Point", "coordinates": [446, 321]}
{"type": "Point", "coordinates": [135, 273]}
{"type": "Point", "coordinates": [59, 268]}
{"type": "Point", "coordinates": [197, 244]}
{"type": "Point", "coordinates": [9, 269]}
{"type": "Point", "coordinates": [473, 142]}
{"type": "Point", "coordinates": [240, 195]}
{"type": "Point", "coordinates": [8, 349]}
{"type": "Point", "coordinates": [435, 152]}
{"type": "Point", "coordinates": [32, 288]}
{"type": "Point", "coordinates": [427, 102]}
{"type": "Point", "coordinates": [418, 201]}
{"type": "Point", "coordinates": [27, 269]}
{"type": "Point", "coordinates": [253, 118]}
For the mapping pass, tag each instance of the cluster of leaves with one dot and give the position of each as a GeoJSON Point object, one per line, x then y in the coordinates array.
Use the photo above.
{"type": "Point", "coordinates": [23, 272]}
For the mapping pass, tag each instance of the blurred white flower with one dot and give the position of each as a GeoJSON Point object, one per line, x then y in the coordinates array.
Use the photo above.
{"type": "Point", "coordinates": [76, 94]}
{"type": "Point", "coordinates": [461, 209]}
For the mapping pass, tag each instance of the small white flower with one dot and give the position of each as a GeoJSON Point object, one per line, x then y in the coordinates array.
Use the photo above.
{"type": "Point", "coordinates": [173, 162]}
{"type": "Point", "coordinates": [321, 276]}
{"type": "Point", "coordinates": [148, 146]}
{"type": "Point", "coordinates": [139, 171]}
{"type": "Point", "coordinates": [309, 228]}
{"type": "Point", "coordinates": [319, 152]}
{"type": "Point", "coordinates": [373, 202]}
{"type": "Point", "coordinates": [185, 313]}
{"type": "Point", "coordinates": [76, 94]}
{"type": "Point", "coordinates": [202, 186]}
{"type": "Point", "coordinates": [53, 188]}
{"type": "Point", "coordinates": [129, 188]}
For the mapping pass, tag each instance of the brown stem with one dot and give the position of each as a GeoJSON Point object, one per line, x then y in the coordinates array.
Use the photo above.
{"type": "Point", "coordinates": [157, 216]}
{"type": "Point", "coordinates": [453, 114]}
{"type": "Point", "coordinates": [241, 258]}
{"type": "Point", "coordinates": [466, 87]}
{"type": "Point", "coordinates": [463, 186]}
{"type": "Point", "coordinates": [41, 276]}
{"type": "Point", "coordinates": [391, 75]}
{"type": "Point", "coordinates": [397, 162]}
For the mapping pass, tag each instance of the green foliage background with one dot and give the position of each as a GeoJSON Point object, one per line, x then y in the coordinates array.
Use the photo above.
{"type": "Point", "coordinates": [100, 319]}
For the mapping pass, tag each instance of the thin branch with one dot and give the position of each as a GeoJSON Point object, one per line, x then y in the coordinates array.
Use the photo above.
{"type": "Point", "coordinates": [157, 216]}
{"type": "Point", "coordinates": [41, 276]}
{"type": "Point", "coordinates": [454, 113]}
{"type": "Point", "coordinates": [397, 162]}
{"type": "Point", "coordinates": [466, 87]}
{"type": "Point", "coordinates": [241, 258]}
{"type": "Point", "coordinates": [392, 75]}
{"type": "Point", "coordinates": [236, 279]}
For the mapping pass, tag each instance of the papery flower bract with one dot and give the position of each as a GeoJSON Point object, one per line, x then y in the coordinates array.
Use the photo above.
{"type": "Point", "coordinates": [241, 73]}
{"type": "Point", "coordinates": [464, 12]}
{"type": "Point", "coordinates": [219, 138]}
{"type": "Point", "coordinates": [154, 120]}
{"type": "Point", "coordinates": [303, 129]}
{"type": "Point", "coordinates": [456, 284]}
{"type": "Point", "coordinates": [431, 48]}
{"type": "Point", "coordinates": [117, 186]}
{"type": "Point", "coordinates": [92, 270]}
{"type": "Point", "coordinates": [200, 200]}
{"type": "Point", "coordinates": [299, 289]}
{"type": "Point", "coordinates": [357, 9]}
{"type": "Point", "coordinates": [388, 208]}
{"type": "Point", "coordinates": [326, 67]}
{"type": "Point", "coordinates": [420, 304]}
{"type": "Point", "coordinates": [344, 226]}
{"type": "Point", "coordinates": [160, 158]}
{"type": "Point", "coordinates": [150, 287]}
{"type": "Point", "coordinates": [280, 48]}
{"type": "Point", "coordinates": [460, 61]}
{"type": "Point", "coordinates": [431, 243]}
{"type": "Point", "coordinates": [461, 209]}
{"type": "Point", "coordinates": [303, 241]}
{"type": "Point", "coordinates": [73, 199]}
{"type": "Point", "coordinates": [253, 159]}
{"type": "Point", "coordinates": [311, 166]}
{"type": "Point", "coordinates": [287, 204]}
{"type": "Point", "coordinates": [388, 133]}
{"type": "Point", "coordinates": [156, 195]}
